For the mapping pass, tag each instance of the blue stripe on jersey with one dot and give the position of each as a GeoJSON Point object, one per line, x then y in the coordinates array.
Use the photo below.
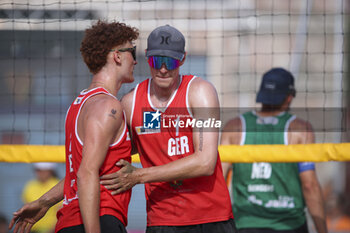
{"type": "Point", "coordinates": [305, 166]}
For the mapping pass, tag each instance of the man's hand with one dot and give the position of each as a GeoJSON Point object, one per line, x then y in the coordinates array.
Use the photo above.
{"type": "Point", "coordinates": [122, 180]}
{"type": "Point", "coordinates": [24, 218]}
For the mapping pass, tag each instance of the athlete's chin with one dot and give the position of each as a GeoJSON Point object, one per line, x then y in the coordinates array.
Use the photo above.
{"type": "Point", "coordinates": [162, 82]}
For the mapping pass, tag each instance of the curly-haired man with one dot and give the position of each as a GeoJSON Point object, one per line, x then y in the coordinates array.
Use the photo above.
{"type": "Point", "coordinates": [96, 138]}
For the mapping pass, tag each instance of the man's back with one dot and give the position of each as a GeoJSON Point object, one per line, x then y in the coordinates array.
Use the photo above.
{"type": "Point", "coordinates": [115, 205]}
{"type": "Point", "coordinates": [267, 194]}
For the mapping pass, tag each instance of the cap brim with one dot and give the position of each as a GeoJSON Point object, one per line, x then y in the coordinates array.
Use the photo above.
{"type": "Point", "coordinates": [270, 98]}
{"type": "Point", "coordinates": [165, 53]}
{"type": "Point", "coordinates": [44, 166]}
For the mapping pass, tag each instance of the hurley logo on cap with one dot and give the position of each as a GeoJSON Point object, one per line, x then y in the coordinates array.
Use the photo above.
{"type": "Point", "coordinates": [166, 41]}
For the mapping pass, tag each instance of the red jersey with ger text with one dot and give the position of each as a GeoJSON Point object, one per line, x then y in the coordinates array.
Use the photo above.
{"type": "Point", "coordinates": [116, 205]}
{"type": "Point", "coordinates": [183, 202]}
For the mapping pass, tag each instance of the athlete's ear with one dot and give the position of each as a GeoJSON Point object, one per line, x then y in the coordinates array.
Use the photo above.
{"type": "Point", "coordinates": [117, 57]}
{"type": "Point", "coordinates": [290, 98]}
{"type": "Point", "coordinates": [183, 59]}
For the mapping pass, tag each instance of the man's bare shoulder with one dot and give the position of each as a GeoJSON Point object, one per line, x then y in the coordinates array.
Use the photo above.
{"type": "Point", "coordinates": [233, 125]}
{"type": "Point", "coordinates": [300, 132]}
{"type": "Point", "coordinates": [103, 104]}
{"type": "Point", "coordinates": [199, 83]}
{"type": "Point", "coordinates": [300, 125]}
{"type": "Point", "coordinates": [202, 94]}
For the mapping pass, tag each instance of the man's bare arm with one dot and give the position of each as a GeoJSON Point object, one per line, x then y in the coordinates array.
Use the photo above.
{"type": "Point", "coordinates": [231, 135]}
{"type": "Point", "coordinates": [314, 200]}
{"type": "Point", "coordinates": [24, 218]}
{"type": "Point", "coordinates": [300, 132]}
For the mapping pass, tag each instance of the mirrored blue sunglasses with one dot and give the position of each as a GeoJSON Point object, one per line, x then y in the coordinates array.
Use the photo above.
{"type": "Point", "coordinates": [157, 62]}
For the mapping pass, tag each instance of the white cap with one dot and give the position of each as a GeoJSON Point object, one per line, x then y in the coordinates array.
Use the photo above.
{"type": "Point", "coordinates": [44, 166]}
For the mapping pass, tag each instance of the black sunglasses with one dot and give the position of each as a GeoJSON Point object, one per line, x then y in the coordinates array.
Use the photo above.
{"type": "Point", "coordinates": [131, 50]}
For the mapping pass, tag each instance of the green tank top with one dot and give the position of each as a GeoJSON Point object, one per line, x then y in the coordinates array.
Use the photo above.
{"type": "Point", "coordinates": [267, 195]}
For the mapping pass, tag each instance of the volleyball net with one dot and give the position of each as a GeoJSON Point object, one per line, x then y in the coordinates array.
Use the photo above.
{"type": "Point", "coordinates": [231, 43]}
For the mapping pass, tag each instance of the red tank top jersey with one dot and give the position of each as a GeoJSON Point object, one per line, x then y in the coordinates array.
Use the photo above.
{"type": "Point", "coordinates": [184, 202]}
{"type": "Point", "coordinates": [116, 205]}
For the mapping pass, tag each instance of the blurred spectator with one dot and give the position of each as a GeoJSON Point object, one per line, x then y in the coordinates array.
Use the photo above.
{"type": "Point", "coordinates": [338, 220]}
{"type": "Point", "coordinates": [3, 224]}
{"type": "Point", "coordinates": [45, 179]}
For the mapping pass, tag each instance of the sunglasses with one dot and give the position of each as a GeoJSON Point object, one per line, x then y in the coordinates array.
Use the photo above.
{"type": "Point", "coordinates": [131, 50]}
{"type": "Point", "coordinates": [157, 62]}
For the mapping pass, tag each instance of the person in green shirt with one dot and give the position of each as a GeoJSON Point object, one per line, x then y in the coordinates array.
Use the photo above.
{"type": "Point", "coordinates": [271, 197]}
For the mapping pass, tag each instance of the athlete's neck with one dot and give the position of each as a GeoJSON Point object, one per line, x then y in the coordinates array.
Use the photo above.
{"type": "Point", "coordinates": [107, 81]}
{"type": "Point", "coordinates": [163, 95]}
{"type": "Point", "coordinates": [275, 110]}
{"type": "Point", "coordinates": [269, 113]}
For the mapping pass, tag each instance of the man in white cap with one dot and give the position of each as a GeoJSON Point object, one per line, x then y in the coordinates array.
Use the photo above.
{"type": "Point", "coordinates": [96, 138]}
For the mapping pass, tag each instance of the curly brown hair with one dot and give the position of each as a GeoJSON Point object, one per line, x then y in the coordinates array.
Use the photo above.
{"type": "Point", "coordinates": [101, 38]}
